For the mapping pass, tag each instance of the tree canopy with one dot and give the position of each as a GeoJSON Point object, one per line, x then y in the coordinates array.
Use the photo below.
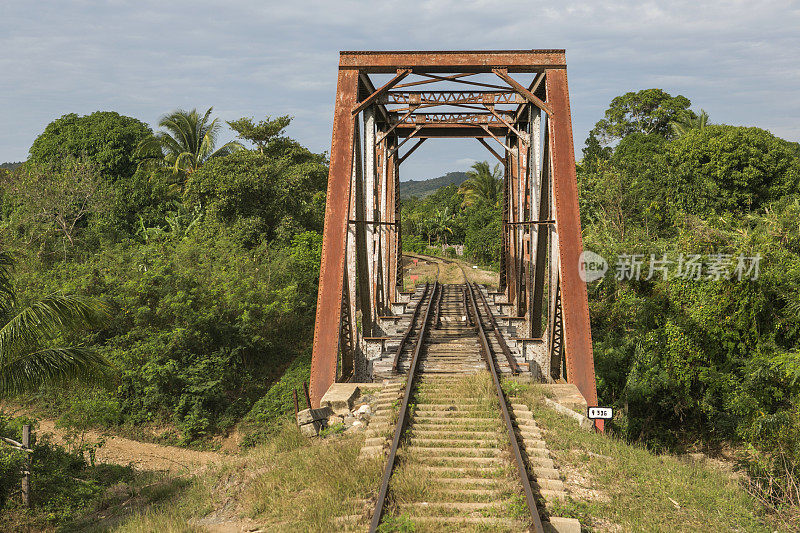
{"type": "Point", "coordinates": [105, 139]}
{"type": "Point", "coordinates": [646, 111]}
{"type": "Point", "coordinates": [189, 141]}
{"type": "Point", "coordinates": [483, 185]}
{"type": "Point", "coordinates": [730, 168]}
{"type": "Point", "coordinates": [260, 134]}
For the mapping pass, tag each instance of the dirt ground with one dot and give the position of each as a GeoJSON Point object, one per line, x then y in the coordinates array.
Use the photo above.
{"type": "Point", "coordinates": [140, 455]}
{"type": "Point", "coordinates": [429, 268]}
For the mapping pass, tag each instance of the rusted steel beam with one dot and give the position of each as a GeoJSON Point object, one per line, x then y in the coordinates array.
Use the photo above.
{"type": "Point", "coordinates": [451, 130]}
{"type": "Point", "coordinates": [453, 61]}
{"type": "Point", "coordinates": [574, 298]}
{"type": "Point", "coordinates": [414, 107]}
{"type": "Point", "coordinates": [513, 243]}
{"type": "Point", "coordinates": [411, 135]}
{"type": "Point", "coordinates": [307, 395]}
{"type": "Point", "coordinates": [486, 145]}
{"type": "Point", "coordinates": [411, 151]}
{"type": "Point", "coordinates": [401, 73]}
{"type": "Point", "coordinates": [452, 97]}
{"type": "Point", "coordinates": [540, 258]}
{"type": "Point", "coordinates": [425, 82]}
{"type": "Point", "coordinates": [520, 135]}
{"type": "Point", "coordinates": [503, 74]}
{"type": "Point", "coordinates": [390, 215]}
{"type": "Point", "coordinates": [492, 135]}
{"type": "Point", "coordinates": [533, 87]}
{"type": "Point", "coordinates": [391, 129]}
{"type": "Point", "coordinates": [370, 88]}
{"type": "Point", "coordinates": [473, 120]}
{"type": "Point", "coordinates": [463, 82]}
{"type": "Point", "coordinates": [331, 277]}
{"type": "Point", "coordinates": [453, 118]}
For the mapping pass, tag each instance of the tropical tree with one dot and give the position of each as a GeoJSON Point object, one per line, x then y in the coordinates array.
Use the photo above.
{"type": "Point", "coordinates": [262, 133]}
{"type": "Point", "coordinates": [681, 126]}
{"type": "Point", "coordinates": [440, 223]}
{"type": "Point", "coordinates": [29, 355]}
{"type": "Point", "coordinates": [647, 111]}
{"type": "Point", "coordinates": [189, 141]}
{"type": "Point", "coordinates": [106, 140]}
{"type": "Point", "coordinates": [483, 186]}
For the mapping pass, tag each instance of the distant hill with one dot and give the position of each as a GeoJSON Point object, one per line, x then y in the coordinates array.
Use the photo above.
{"type": "Point", "coordinates": [425, 187]}
{"type": "Point", "coordinates": [10, 166]}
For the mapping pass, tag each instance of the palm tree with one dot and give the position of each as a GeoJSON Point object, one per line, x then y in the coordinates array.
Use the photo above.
{"type": "Point", "coordinates": [189, 141]}
{"type": "Point", "coordinates": [483, 185]}
{"type": "Point", "coordinates": [440, 224]}
{"type": "Point", "coordinates": [687, 123]}
{"type": "Point", "coordinates": [28, 357]}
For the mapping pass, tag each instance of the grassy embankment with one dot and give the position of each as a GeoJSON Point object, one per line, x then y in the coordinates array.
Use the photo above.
{"type": "Point", "coordinates": [292, 484]}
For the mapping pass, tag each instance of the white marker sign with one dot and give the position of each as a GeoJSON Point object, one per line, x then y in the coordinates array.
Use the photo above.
{"type": "Point", "coordinates": [601, 412]}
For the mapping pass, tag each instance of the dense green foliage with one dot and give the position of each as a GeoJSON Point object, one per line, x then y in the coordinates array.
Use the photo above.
{"type": "Point", "coordinates": [468, 215]}
{"type": "Point", "coordinates": [711, 359]}
{"type": "Point", "coordinates": [64, 482]}
{"type": "Point", "coordinates": [213, 284]}
{"type": "Point", "coordinates": [649, 111]}
{"type": "Point", "coordinates": [105, 139]}
{"type": "Point", "coordinates": [261, 134]}
{"type": "Point", "coordinates": [212, 275]}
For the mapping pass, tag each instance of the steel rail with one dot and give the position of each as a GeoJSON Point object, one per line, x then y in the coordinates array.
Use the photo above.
{"type": "Point", "coordinates": [467, 314]}
{"type": "Point", "coordinates": [410, 327]}
{"type": "Point", "coordinates": [438, 310]}
{"type": "Point", "coordinates": [402, 418]}
{"type": "Point", "coordinates": [536, 521]}
{"type": "Point", "coordinates": [512, 362]}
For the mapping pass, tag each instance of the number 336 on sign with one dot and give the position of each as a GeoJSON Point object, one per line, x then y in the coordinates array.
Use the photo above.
{"type": "Point", "coordinates": [604, 413]}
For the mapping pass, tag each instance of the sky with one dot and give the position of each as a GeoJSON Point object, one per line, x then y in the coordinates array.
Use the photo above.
{"type": "Point", "coordinates": [738, 60]}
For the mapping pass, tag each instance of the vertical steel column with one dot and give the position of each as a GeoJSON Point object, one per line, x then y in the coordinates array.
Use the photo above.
{"type": "Point", "coordinates": [351, 262]}
{"type": "Point", "coordinates": [331, 276]}
{"type": "Point", "coordinates": [507, 237]}
{"type": "Point", "coordinates": [387, 181]}
{"type": "Point", "coordinates": [520, 229]}
{"type": "Point", "coordinates": [542, 231]}
{"type": "Point", "coordinates": [534, 192]}
{"type": "Point", "coordinates": [370, 181]}
{"type": "Point", "coordinates": [398, 279]}
{"type": "Point", "coordinates": [574, 297]}
{"type": "Point", "coordinates": [390, 212]}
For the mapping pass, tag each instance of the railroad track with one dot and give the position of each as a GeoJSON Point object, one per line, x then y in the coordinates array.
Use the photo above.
{"type": "Point", "coordinates": [462, 455]}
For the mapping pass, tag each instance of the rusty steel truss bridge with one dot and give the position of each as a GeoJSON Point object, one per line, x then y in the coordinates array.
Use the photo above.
{"type": "Point", "coordinates": [515, 103]}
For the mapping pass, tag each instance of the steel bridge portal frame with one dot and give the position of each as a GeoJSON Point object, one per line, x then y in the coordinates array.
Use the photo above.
{"type": "Point", "coordinates": [361, 269]}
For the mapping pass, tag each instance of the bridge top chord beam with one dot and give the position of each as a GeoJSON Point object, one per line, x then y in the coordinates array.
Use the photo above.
{"type": "Point", "coordinates": [453, 61]}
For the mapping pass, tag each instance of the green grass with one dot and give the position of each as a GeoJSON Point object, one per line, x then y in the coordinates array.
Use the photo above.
{"type": "Point", "coordinates": [616, 484]}
{"type": "Point", "coordinates": [290, 483]}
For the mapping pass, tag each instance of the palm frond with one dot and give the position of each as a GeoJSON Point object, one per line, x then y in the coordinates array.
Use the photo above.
{"type": "Point", "coordinates": [47, 318]}
{"type": "Point", "coordinates": [7, 296]}
{"type": "Point", "coordinates": [149, 148]}
{"type": "Point", "coordinates": [227, 149]}
{"type": "Point", "coordinates": [29, 370]}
